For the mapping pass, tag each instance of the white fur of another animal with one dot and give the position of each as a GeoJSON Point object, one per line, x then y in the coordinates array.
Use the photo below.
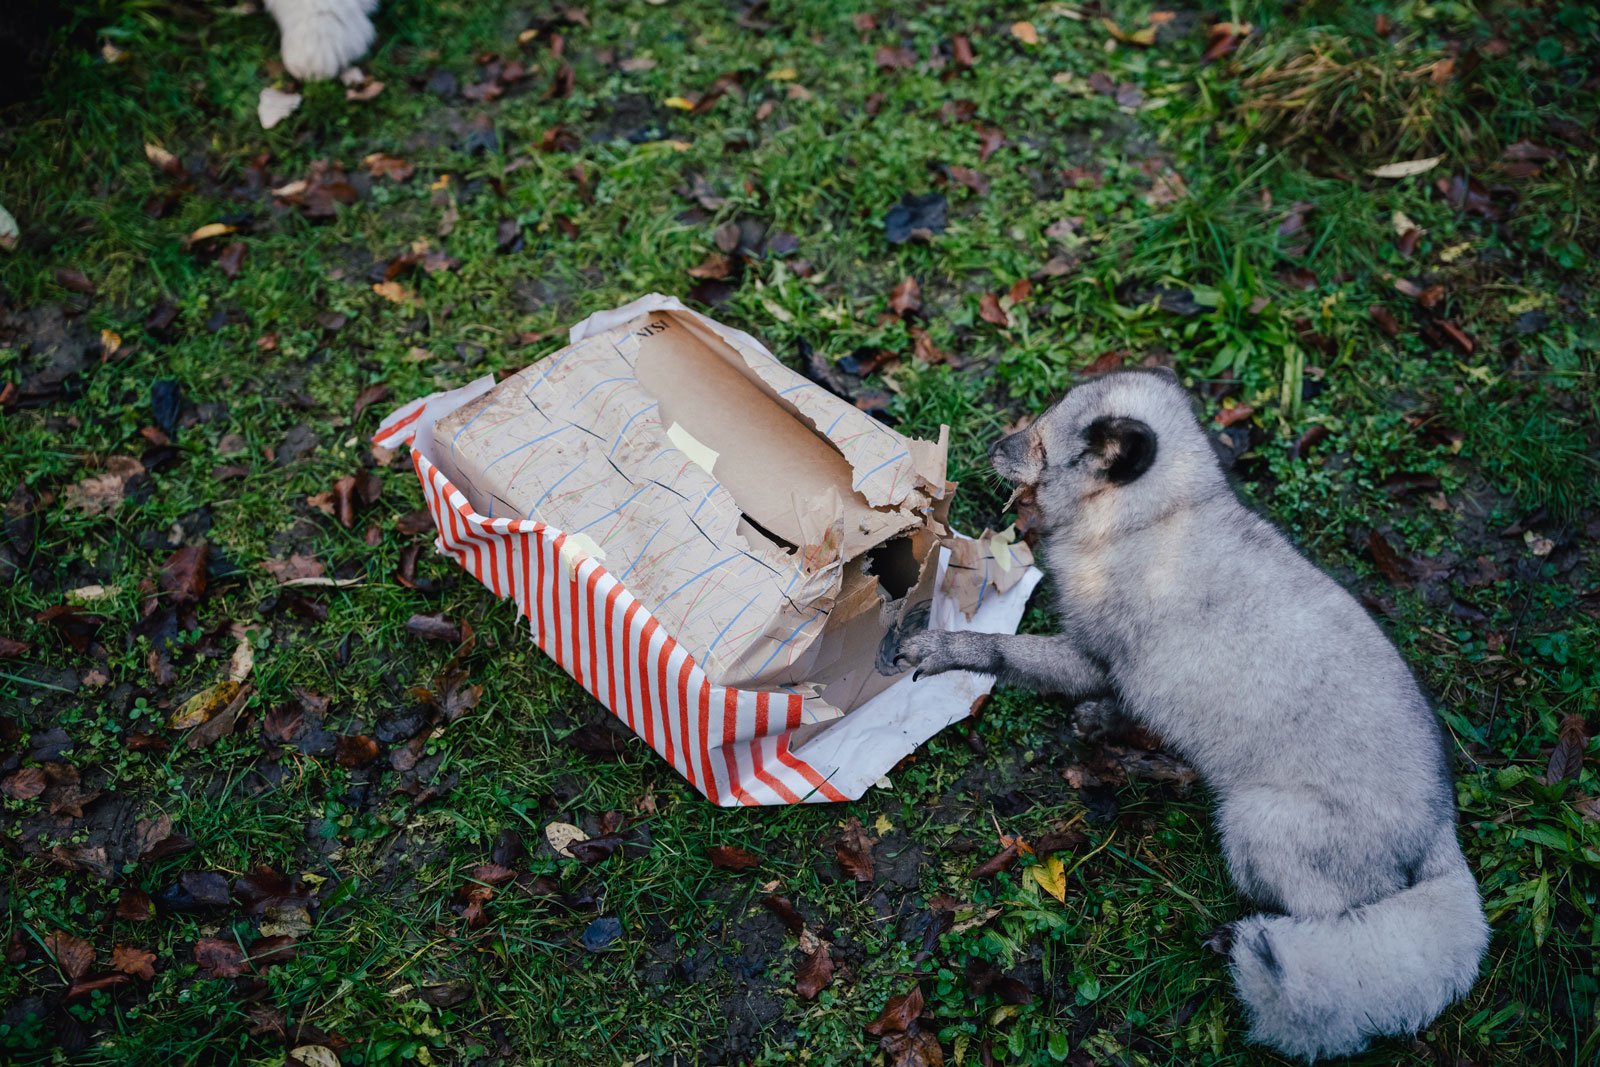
{"type": "Point", "coordinates": [322, 37]}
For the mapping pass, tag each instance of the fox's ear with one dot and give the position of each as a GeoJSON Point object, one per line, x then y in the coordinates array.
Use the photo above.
{"type": "Point", "coordinates": [1123, 448]}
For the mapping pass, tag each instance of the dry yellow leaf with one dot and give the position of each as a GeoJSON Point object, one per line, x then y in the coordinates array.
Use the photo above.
{"type": "Point", "coordinates": [203, 705]}
{"type": "Point", "coordinates": [1406, 168]}
{"type": "Point", "coordinates": [110, 341]}
{"type": "Point", "coordinates": [242, 660]}
{"type": "Point", "coordinates": [679, 102]}
{"type": "Point", "coordinates": [561, 835]}
{"type": "Point", "coordinates": [1024, 32]}
{"type": "Point", "coordinates": [1051, 875]}
{"type": "Point", "coordinates": [316, 1056]}
{"type": "Point", "coordinates": [160, 156]}
{"type": "Point", "coordinates": [211, 229]}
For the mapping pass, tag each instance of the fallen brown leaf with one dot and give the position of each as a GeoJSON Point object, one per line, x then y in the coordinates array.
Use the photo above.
{"type": "Point", "coordinates": [990, 141]}
{"type": "Point", "coordinates": [915, 1048]}
{"type": "Point", "coordinates": [898, 1014]}
{"type": "Point", "coordinates": [925, 350]}
{"type": "Point", "coordinates": [1237, 413]}
{"type": "Point", "coordinates": [134, 961]}
{"type": "Point", "coordinates": [72, 954]}
{"type": "Point", "coordinates": [88, 986]}
{"type": "Point", "coordinates": [732, 858]}
{"type": "Point", "coordinates": [134, 905]}
{"type": "Point", "coordinates": [183, 576]}
{"type": "Point", "coordinates": [433, 628]}
{"type": "Point", "coordinates": [87, 859]}
{"type": "Point", "coordinates": [75, 280]}
{"type": "Point", "coordinates": [25, 784]}
{"type": "Point", "coordinates": [1299, 278]}
{"type": "Point", "coordinates": [815, 973]}
{"type": "Point", "coordinates": [1566, 759]}
{"type": "Point", "coordinates": [785, 910]}
{"type": "Point", "coordinates": [296, 566]}
{"type": "Point", "coordinates": [355, 750]}
{"type": "Point", "coordinates": [989, 310]}
{"type": "Point", "coordinates": [231, 260]}
{"type": "Point", "coordinates": [492, 873]}
{"type": "Point", "coordinates": [1384, 319]}
{"type": "Point", "coordinates": [996, 863]}
{"type": "Point", "coordinates": [975, 180]}
{"type": "Point", "coordinates": [906, 297]}
{"type": "Point", "coordinates": [888, 58]}
{"type": "Point", "coordinates": [372, 394]}
{"type": "Point", "coordinates": [854, 851]}
{"type": "Point", "coordinates": [715, 265]}
{"type": "Point", "coordinates": [101, 493]}
{"type": "Point", "coordinates": [218, 959]}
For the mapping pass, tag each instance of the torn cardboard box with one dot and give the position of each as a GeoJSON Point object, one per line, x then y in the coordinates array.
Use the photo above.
{"type": "Point", "coordinates": [724, 553]}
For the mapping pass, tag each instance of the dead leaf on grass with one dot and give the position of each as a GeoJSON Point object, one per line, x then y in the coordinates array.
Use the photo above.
{"type": "Point", "coordinates": [854, 851]}
{"type": "Point", "coordinates": [223, 722]}
{"type": "Point", "coordinates": [373, 394]}
{"type": "Point", "coordinates": [86, 859]}
{"type": "Point", "coordinates": [135, 905]}
{"type": "Point", "coordinates": [715, 266]}
{"type": "Point", "coordinates": [134, 961]}
{"type": "Point", "coordinates": [996, 863]}
{"type": "Point", "coordinates": [218, 959]}
{"type": "Point", "coordinates": [815, 973]}
{"type": "Point", "coordinates": [731, 857]}
{"type": "Point", "coordinates": [1406, 168]}
{"type": "Point", "coordinates": [905, 297]}
{"type": "Point", "coordinates": [25, 784]}
{"type": "Point", "coordinates": [989, 310]}
{"type": "Point", "coordinates": [183, 576]}
{"type": "Point", "coordinates": [433, 628]}
{"type": "Point", "coordinates": [102, 493]}
{"type": "Point", "coordinates": [72, 954]}
{"type": "Point", "coordinates": [785, 910]}
{"type": "Point", "coordinates": [355, 750]}
{"type": "Point", "coordinates": [1566, 759]}
{"type": "Point", "coordinates": [203, 706]}
{"type": "Point", "coordinates": [898, 1014]}
{"type": "Point", "coordinates": [231, 260]}
{"type": "Point", "coordinates": [296, 566]}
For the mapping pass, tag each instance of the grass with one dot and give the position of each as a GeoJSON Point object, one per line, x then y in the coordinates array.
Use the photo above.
{"type": "Point", "coordinates": [1438, 447]}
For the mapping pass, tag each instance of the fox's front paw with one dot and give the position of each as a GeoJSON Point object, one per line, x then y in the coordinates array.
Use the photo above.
{"type": "Point", "coordinates": [936, 651]}
{"type": "Point", "coordinates": [1220, 940]}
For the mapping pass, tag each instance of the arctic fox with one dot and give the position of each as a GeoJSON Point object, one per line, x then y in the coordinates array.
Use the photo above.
{"type": "Point", "coordinates": [1332, 781]}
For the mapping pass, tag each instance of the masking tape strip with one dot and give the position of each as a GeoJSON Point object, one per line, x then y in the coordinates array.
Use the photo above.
{"type": "Point", "coordinates": [699, 454]}
{"type": "Point", "coordinates": [577, 548]}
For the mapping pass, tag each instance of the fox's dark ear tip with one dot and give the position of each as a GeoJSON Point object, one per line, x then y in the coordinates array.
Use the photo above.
{"type": "Point", "coordinates": [1126, 447]}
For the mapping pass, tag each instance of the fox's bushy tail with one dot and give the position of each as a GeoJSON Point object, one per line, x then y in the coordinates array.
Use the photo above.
{"type": "Point", "coordinates": [1324, 987]}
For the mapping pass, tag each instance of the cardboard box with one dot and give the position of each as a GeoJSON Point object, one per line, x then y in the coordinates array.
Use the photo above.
{"type": "Point", "coordinates": [720, 550]}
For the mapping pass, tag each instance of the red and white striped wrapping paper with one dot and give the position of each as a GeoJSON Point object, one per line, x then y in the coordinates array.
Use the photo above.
{"type": "Point", "coordinates": [733, 745]}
